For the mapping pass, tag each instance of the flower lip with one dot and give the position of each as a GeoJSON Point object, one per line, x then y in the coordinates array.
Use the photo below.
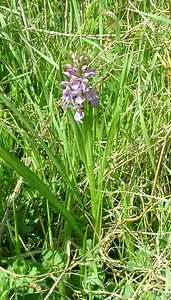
{"type": "Point", "coordinates": [79, 115]}
{"type": "Point", "coordinates": [79, 99]}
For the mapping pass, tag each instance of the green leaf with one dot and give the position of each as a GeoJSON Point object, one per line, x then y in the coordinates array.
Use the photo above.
{"type": "Point", "coordinates": [128, 291]}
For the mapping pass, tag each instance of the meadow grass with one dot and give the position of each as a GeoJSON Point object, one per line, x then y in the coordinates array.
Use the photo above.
{"type": "Point", "coordinates": [85, 208]}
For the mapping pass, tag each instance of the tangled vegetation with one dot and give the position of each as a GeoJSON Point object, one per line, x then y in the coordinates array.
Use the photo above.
{"type": "Point", "coordinates": [85, 193]}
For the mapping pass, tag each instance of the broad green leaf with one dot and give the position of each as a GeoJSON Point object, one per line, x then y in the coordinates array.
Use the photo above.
{"type": "Point", "coordinates": [36, 183]}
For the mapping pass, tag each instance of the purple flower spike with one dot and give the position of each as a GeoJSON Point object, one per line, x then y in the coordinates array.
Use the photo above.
{"type": "Point", "coordinates": [77, 89]}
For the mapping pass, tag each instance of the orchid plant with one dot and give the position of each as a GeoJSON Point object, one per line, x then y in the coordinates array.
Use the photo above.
{"type": "Point", "coordinates": [80, 96]}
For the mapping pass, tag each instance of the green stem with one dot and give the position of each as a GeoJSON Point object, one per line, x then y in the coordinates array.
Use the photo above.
{"type": "Point", "coordinates": [91, 180]}
{"type": "Point", "coordinates": [88, 144]}
{"type": "Point", "coordinates": [89, 165]}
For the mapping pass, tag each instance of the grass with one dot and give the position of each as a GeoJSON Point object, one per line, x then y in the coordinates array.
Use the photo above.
{"type": "Point", "coordinates": [85, 208]}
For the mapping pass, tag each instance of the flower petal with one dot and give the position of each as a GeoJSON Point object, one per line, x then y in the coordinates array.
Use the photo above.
{"type": "Point", "coordinates": [65, 83]}
{"type": "Point", "coordinates": [72, 72]}
{"type": "Point", "coordinates": [84, 67]}
{"type": "Point", "coordinates": [91, 72]}
{"type": "Point", "coordinates": [91, 94]}
{"type": "Point", "coordinates": [67, 74]}
{"type": "Point", "coordinates": [94, 102]}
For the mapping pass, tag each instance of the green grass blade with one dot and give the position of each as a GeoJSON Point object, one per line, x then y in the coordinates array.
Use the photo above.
{"type": "Point", "coordinates": [110, 137]}
{"type": "Point", "coordinates": [146, 135]}
{"type": "Point", "coordinates": [158, 18]}
{"type": "Point", "coordinates": [44, 56]}
{"type": "Point", "coordinates": [77, 15]}
{"type": "Point", "coordinates": [40, 186]}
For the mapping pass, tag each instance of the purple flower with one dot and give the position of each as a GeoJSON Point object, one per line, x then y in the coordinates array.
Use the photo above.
{"type": "Point", "coordinates": [84, 67]}
{"type": "Point", "coordinates": [91, 72]}
{"type": "Point", "coordinates": [79, 115]}
{"type": "Point", "coordinates": [79, 99]}
{"type": "Point", "coordinates": [84, 85]}
{"type": "Point", "coordinates": [67, 94]}
{"type": "Point", "coordinates": [77, 89]}
{"type": "Point", "coordinates": [92, 97]}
